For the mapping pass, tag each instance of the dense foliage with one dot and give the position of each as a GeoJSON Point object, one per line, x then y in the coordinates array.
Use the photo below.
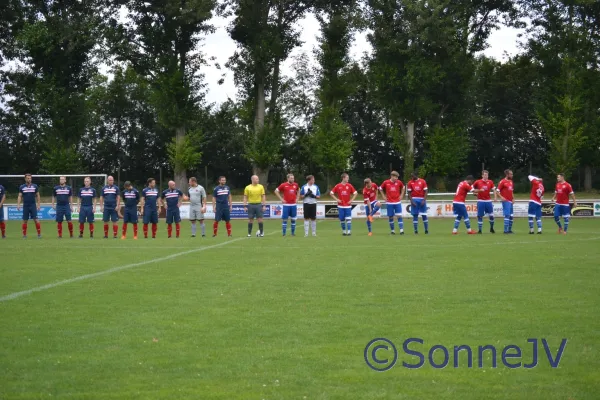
{"type": "Point", "coordinates": [425, 98]}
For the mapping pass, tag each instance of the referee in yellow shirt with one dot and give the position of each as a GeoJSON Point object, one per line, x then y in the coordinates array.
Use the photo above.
{"type": "Point", "coordinates": [254, 204]}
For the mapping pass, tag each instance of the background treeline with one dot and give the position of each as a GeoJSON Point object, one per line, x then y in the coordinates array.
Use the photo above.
{"type": "Point", "coordinates": [424, 98]}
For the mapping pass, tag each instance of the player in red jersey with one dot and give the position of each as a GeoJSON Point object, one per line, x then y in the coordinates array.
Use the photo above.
{"type": "Point", "coordinates": [291, 194]}
{"type": "Point", "coordinates": [505, 189]}
{"type": "Point", "coordinates": [484, 200]}
{"type": "Point", "coordinates": [562, 192]}
{"type": "Point", "coordinates": [344, 194]}
{"type": "Point", "coordinates": [393, 191]}
{"type": "Point", "coordinates": [535, 203]}
{"type": "Point", "coordinates": [372, 205]}
{"type": "Point", "coordinates": [417, 193]}
{"type": "Point", "coordinates": [458, 204]}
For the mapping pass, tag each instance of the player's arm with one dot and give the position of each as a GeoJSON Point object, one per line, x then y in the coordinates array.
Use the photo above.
{"type": "Point", "coordinates": [53, 199]}
{"type": "Point", "coordinates": [71, 202]}
{"type": "Point", "coordinates": [409, 195]}
{"type": "Point", "coordinates": [573, 197]}
{"type": "Point", "coordinates": [354, 196]}
{"type": "Point", "coordinates": [499, 193]}
{"type": "Point", "coordinates": [203, 201]}
{"type": "Point", "coordinates": [2, 199]}
{"type": "Point", "coordinates": [425, 192]}
{"type": "Point", "coordinates": [403, 192]}
{"type": "Point", "coordinates": [318, 194]}
{"type": "Point", "coordinates": [142, 203]}
{"type": "Point", "coordinates": [38, 199]}
{"type": "Point", "coordinates": [554, 197]}
{"type": "Point", "coordinates": [79, 201]}
{"type": "Point", "coordinates": [246, 199]}
{"type": "Point", "coordinates": [278, 195]}
{"type": "Point", "coordinates": [230, 200]}
{"type": "Point", "coordinates": [179, 199]}
{"type": "Point", "coordinates": [118, 200]}
{"type": "Point", "coordinates": [383, 196]}
{"type": "Point", "coordinates": [102, 201]}
{"type": "Point", "coordinates": [333, 196]}
{"type": "Point", "coordinates": [263, 199]}
{"type": "Point", "coordinates": [297, 196]}
{"type": "Point", "coordinates": [19, 201]}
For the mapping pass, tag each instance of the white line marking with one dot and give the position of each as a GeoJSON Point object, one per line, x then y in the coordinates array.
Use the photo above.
{"type": "Point", "coordinates": [15, 295]}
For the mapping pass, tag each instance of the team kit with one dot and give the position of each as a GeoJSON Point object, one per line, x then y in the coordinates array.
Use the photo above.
{"type": "Point", "coordinates": [150, 203]}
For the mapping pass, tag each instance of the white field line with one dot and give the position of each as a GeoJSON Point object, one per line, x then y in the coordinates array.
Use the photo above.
{"type": "Point", "coordinates": [15, 295]}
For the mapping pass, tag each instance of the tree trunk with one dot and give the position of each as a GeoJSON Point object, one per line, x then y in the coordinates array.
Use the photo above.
{"type": "Point", "coordinates": [274, 94]}
{"type": "Point", "coordinates": [180, 172]}
{"type": "Point", "coordinates": [409, 154]}
{"type": "Point", "coordinates": [263, 175]}
{"type": "Point", "coordinates": [259, 119]}
{"type": "Point", "coordinates": [587, 179]}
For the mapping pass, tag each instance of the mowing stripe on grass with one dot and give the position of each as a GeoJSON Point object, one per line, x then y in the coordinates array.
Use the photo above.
{"type": "Point", "coordinates": [15, 295]}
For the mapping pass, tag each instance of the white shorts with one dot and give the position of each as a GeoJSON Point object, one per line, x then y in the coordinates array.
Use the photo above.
{"type": "Point", "coordinates": [196, 213]}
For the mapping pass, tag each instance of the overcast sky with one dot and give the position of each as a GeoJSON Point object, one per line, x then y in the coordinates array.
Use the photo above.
{"type": "Point", "coordinates": [220, 45]}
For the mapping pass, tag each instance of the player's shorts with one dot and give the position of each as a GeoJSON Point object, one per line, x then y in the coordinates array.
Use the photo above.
{"type": "Point", "coordinates": [507, 209]}
{"type": "Point", "coordinates": [255, 211]}
{"type": "Point", "coordinates": [534, 210]}
{"type": "Point", "coordinates": [196, 213]}
{"type": "Point", "coordinates": [110, 214]}
{"type": "Point", "coordinates": [130, 215]}
{"type": "Point", "coordinates": [310, 211]}
{"type": "Point", "coordinates": [222, 214]}
{"type": "Point", "coordinates": [150, 216]}
{"type": "Point", "coordinates": [485, 208]}
{"type": "Point", "coordinates": [62, 213]}
{"type": "Point", "coordinates": [86, 214]}
{"type": "Point", "coordinates": [29, 212]}
{"type": "Point", "coordinates": [344, 214]}
{"type": "Point", "coordinates": [289, 212]}
{"type": "Point", "coordinates": [394, 209]}
{"type": "Point", "coordinates": [420, 207]}
{"type": "Point", "coordinates": [460, 211]}
{"type": "Point", "coordinates": [173, 215]}
{"type": "Point", "coordinates": [561, 210]}
{"type": "Point", "coordinates": [2, 214]}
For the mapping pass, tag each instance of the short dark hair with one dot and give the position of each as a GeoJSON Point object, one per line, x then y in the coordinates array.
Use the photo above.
{"type": "Point", "coordinates": [309, 177]}
{"type": "Point", "coordinates": [193, 179]}
{"type": "Point", "coordinates": [28, 174]}
{"type": "Point", "coordinates": [395, 173]}
{"type": "Point", "coordinates": [485, 171]}
{"type": "Point", "coordinates": [506, 171]}
{"type": "Point", "coordinates": [127, 183]}
{"type": "Point", "coordinates": [149, 181]}
{"type": "Point", "coordinates": [415, 174]}
{"type": "Point", "coordinates": [344, 175]}
{"type": "Point", "coordinates": [221, 177]}
{"type": "Point", "coordinates": [561, 174]}
{"type": "Point", "coordinates": [470, 178]}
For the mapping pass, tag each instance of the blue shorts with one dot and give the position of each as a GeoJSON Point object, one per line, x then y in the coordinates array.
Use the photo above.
{"type": "Point", "coordinates": [485, 208]}
{"type": "Point", "coordinates": [222, 214]}
{"type": "Point", "coordinates": [110, 214]}
{"type": "Point", "coordinates": [507, 209]}
{"type": "Point", "coordinates": [130, 216]}
{"type": "Point", "coordinates": [150, 216]}
{"type": "Point", "coordinates": [173, 216]}
{"type": "Point", "coordinates": [63, 212]}
{"type": "Point", "coordinates": [344, 214]}
{"type": "Point", "coordinates": [2, 214]}
{"type": "Point", "coordinates": [86, 214]}
{"type": "Point", "coordinates": [460, 211]}
{"type": "Point", "coordinates": [420, 207]}
{"type": "Point", "coordinates": [394, 209]}
{"type": "Point", "coordinates": [535, 210]}
{"type": "Point", "coordinates": [562, 210]}
{"type": "Point", "coordinates": [29, 212]}
{"type": "Point", "coordinates": [289, 212]}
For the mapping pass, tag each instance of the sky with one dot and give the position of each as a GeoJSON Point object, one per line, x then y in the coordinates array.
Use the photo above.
{"type": "Point", "coordinates": [502, 42]}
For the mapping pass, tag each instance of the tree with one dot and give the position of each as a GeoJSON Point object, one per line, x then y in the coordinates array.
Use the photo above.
{"type": "Point", "coordinates": [161, 42]}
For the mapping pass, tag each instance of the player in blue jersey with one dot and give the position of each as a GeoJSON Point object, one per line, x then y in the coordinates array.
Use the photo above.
{"type": "Point", "coordinates": [222, 206]}
{"type": "Point", "coordinates": [86, 203]}
{"type": "Point", "coordinates": [150, 208]}
{"type": "Point", "coordinates": [29, 193]}
{"type": "Point", "coordinates": [171, 198]}
{"type": "Point", "coordinates": [62, 200]}
{"type": "Point", "coordinates": [2, 224]}
{"type": "Point", "coordinates": [110, 202]}
{"type": "Point", "coordinates": [131, 198]}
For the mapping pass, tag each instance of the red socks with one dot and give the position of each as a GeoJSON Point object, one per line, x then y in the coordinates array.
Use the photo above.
{"type": "Point", "coordinates": [38, 228]}
{"type": "Point", "coordinates": [177, 229]}
{"type": "Point", "coordinates": [215, 228]}
{"type": "Point", "coordinates": [105, 229]}
{"type": "Point", "coordinates": [169, 229]}
{"type": "Point", "coordinates": [228, 226]}
{"type": "Point", "coordinates": [3, 228]}
{"type": "Point", "coordinates": [70, 225]}
{"type": "Point", "coordinates": [154, 229]}
{"type": "Point", "coordinates": [115, 230]}
{"type": "Point", "coordinates": [145, 229]}
{"type": "Point", "coordinates": [134, 230]}
{"type": "Point", "coordinates": [81, 226]}
{"type": "Point", "coordinates": [124, 229]}
{"type": "Point", "coordinates": [59, 226]}
{"type": "Point", "coordinates": [91, 228]}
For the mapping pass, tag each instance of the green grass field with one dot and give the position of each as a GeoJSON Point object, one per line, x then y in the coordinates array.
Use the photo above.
{"type": "Point", "coordinates": [289, 318]}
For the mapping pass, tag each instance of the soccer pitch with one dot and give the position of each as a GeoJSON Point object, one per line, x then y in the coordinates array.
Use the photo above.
{"type": "Point", "coordinates": [289, 318]}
